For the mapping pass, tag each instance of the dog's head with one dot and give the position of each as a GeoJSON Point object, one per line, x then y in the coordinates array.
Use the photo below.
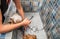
{"type": "Point", "coordinates": [29, 36]}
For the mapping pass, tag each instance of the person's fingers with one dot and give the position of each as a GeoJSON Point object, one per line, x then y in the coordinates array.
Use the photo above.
{"type": "Point", "coordinates": [29, 22]}
{"type": "Point", "coordinates": [26, 18]}
{"type": "Point", "coordinates": [25, 27]}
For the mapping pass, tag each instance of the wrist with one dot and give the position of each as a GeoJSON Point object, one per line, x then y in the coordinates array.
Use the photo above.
{"type": "Point", "coordinates": [22, 23]}
{"type": "Point", "coordinates": [23, 18]}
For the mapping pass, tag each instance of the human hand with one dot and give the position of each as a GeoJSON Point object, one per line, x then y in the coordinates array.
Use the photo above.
{"type": "Point", "coordinates": [26, 22]}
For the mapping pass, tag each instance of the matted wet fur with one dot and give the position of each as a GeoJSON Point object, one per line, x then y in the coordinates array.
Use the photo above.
{"type": "Point", "coordinates": [29, 36]}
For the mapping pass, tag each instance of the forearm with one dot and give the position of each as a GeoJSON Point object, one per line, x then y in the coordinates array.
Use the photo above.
{"type": "Point", "coordinates": [9, 27]}
{"type": "Point", "coordinates": [21, 13]}
{"type": "Point", "coordinates": [0, 17]}
{"type": "Point", "coordinates": [19, 8]}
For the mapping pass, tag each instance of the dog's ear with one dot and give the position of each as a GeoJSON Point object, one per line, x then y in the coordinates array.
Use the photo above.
{"type": "Point", "coordinates": [11, 21]}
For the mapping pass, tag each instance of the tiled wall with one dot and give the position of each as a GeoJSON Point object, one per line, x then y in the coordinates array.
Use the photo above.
{"type": "Point", "coordinates": [50, 14]}
{"type": "Point", "coordinates": [31, 5]}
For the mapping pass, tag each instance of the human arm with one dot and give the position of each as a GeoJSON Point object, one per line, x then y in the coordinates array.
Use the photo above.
{"type": "Point", "coordinates": [8, 27]}
{"type": "Point", "coordinates": [19, 8]}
